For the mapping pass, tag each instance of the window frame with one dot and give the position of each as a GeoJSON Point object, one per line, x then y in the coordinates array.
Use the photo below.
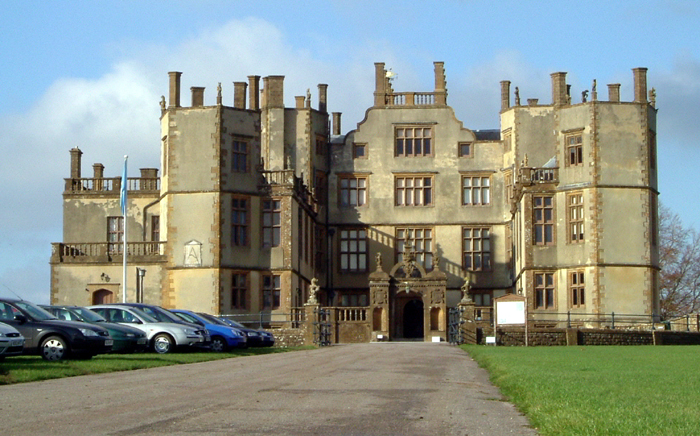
{"type": "Point", "coordinates": [577, 289]}
{"type": "Point", "coordinates": [460, 149]}
{"type": "Point", "coordinates": [573, 147]}
{"type": "Point", "coordinates": [425, 256]}
{"type": "Point", "coordinates": [402, 141]}
{"type": "Point", "coordinates": [356, 247]}
{"type": "Point", "coordinates": [155, 228]}
{"type": "Point", "coordinates": [239, 291]}
{"type": "Point", "coordinates": [482, 252]}
{"type": "Point", "coordinates": [543, 225]}
{"type": "Point", "coordinates": [356, 147]}
{"type": "Point", "coordinates": [361, 193]}
{"type": "Point", "coordinates": [240, 229]}
{"type": "Point", "coordinates": [574, 218]}
{"type": "Point", "coordinates": [483, 191]}
{"type": "Point", "coordinates": [407, 194]}
{"type": "Point", "coordinates": [115, 237]}
{"type": "Point", "coordinates": [545, 294]}
{"type": "Point", "coordinates": [507, 139]}
{"type": "Point", "coordinates": [272, 228]}
{"type": "Point", "coordinates": [271, 291]}
{"type": "Point", "coordinates": [239, 158]}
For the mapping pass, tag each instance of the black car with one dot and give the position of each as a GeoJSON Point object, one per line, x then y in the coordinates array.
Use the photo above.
{"type": "Point", "coordinates": [51, 338]}
{"type": "Point", "coordinates": [164, 315]}
{"type": "Point", "coordinates": [126, 339]}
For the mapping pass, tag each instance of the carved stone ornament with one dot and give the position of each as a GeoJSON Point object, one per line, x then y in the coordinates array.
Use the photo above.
{"type": "Point", "coordinates": [465, 289]}
{"type": "Point", "coordinates": [313, 290]}
{"type": "Point", "coordinates": [379, 297]}
{"type": "Point", "coordinates": [193, 253]}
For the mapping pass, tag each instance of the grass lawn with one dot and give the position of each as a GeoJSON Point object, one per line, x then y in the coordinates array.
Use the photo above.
{"type": "Point", "coordinates": [632, 390]}
{"type": "Point", "coordinates": [33, 368]}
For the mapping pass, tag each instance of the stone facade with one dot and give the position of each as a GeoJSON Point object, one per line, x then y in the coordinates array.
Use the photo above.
{"type": "Point", "coordinates": [253, 202]}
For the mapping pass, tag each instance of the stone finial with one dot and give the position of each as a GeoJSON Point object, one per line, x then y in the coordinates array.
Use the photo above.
{"type": "Point", "coordinates": [218, 94]}
{"type": "Point", "coordinates": [594, 91]}
{"type": "Point", "coordinates": [652, 97]}
{"type": "Point", "coordinates": [308, 98]}
{"type": "Point", "coordinates": [378, 258]}
{"type": "Point", "coordinates": [314, 288]}
{"type": "Point", "coordinates": [162, 104]}
{"type": "Point", "coordinates": [584, 96]}
{"type": "Point", "coordinates": [436, 263]}
{"type": "Point", "coordinates": [517, 96]}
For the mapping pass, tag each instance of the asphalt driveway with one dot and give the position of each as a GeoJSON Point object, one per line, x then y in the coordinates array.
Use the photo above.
{"type": "Point", "coordinates": [406, 389]}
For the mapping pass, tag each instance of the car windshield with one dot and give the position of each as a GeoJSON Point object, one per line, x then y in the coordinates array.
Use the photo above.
{"type": "Point", "coordinates": [88, 315]}
{"type": "Point", "coordinates": [188, 318]}
{"type": "Point", "coordinates": [34, 311]}
{"type": "Point", "coordinates": [212, 319]}
{"type": "Point", "coordinates": [160, 314]}
{"type": "Point", "coordinates": [143, 315]}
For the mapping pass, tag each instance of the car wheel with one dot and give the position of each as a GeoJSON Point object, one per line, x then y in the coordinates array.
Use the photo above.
{"type": "Point", "coordinates": [218, 344]}
{"type": "Point", "coordinates": [163, 343]}
{"type": "Point", "coordinates": [54, 348]}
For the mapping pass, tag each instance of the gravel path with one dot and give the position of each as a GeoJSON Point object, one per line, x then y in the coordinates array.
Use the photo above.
{"type": "Point", "coordinates": [394, 388]}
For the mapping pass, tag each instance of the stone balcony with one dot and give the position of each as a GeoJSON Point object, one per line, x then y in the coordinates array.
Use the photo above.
{"type": "Point", "coordinates": [111, 185]}
{"type": "Point", "coordinates": [107, 252]}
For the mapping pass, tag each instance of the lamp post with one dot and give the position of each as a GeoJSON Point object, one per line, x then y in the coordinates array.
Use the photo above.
{"type": "Point", "coordinates": [141, 273]}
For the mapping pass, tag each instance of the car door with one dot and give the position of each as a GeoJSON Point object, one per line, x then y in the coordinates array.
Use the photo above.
{"type": "Point", "coordinates": [28, 329]}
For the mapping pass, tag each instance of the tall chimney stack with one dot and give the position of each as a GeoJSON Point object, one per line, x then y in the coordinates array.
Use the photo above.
{"type": "Point", "coordinates": [505, 94]}
{"type": "Point", "coordinates": [254, 94]}
{"type": "Point", "coordinates": [640, 85]}
{"type": "Point", "coordinates": [559, 94]}
{"type": "Point", "coordinates": [336, 123]}
{"type": "Point", "coordinates": [322, 97]}
{"type": "Point", "coordinates": [614, 92]}
{"type": "Point", "coordinates": [274, 91]}
{"type": "Point", "coordinates": [75, 158]}
{"type": "Point", "coordinates": [440, 83]}
{"type": "Point", "coordinates": [174, 97]}
{"type": "Point", "coordinates": [197, 96]}
{"type": "Point", "coordinates": [239, 90]}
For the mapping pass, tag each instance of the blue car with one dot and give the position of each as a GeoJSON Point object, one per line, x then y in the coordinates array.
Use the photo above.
{"type": "Point", "coordinates": [256, 338]}
{"type": "Point", "coordinates": [223, 337]}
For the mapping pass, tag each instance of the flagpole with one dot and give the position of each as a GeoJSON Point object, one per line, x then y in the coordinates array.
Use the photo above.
{"type": "Point", "coordinates": [123, 201]}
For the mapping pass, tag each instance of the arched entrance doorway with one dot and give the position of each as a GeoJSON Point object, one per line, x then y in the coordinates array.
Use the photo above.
{"type": "Point", "coordinates": [102, 296]}
{"type": "Point", "coordinates": [413, 319]}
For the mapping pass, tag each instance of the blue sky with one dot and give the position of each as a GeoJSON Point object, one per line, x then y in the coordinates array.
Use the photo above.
{"type": "Point", "coordinates": [90, 74]}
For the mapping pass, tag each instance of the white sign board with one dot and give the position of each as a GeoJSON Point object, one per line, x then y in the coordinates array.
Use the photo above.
{"type": "Point", "coordinates": [510, 312]}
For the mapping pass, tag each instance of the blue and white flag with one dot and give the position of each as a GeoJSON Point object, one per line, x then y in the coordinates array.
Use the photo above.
{"type": "Point", "coordinates": [122, 196]}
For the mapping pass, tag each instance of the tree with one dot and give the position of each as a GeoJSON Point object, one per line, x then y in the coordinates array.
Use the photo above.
{"type": "Point", "coordinates": [679, 259]}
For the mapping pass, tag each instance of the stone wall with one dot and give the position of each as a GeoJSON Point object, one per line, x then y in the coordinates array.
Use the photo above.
{"type": "Point", "coordinates": [614, 337]}
{"type": "Point", "coordinates": [288, 337]}
{"type": "Point", "coordinates": [536, 337]}
{"type": "Point", "coordinates": [515, 336]}
{"type": "Point", "coordinates": [353, 332]}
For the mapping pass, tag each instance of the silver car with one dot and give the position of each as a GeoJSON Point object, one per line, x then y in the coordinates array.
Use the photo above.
{"type": "Point", "coordinates": [164, 337]}
{"type": "Point", "coordinates": [11, 341]}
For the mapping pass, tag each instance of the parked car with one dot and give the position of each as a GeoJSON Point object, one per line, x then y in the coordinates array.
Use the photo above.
{"type": "Point", "coordinates": [164, 315]}
{"type": "Point", "coordinates": [164, 337]}
{"type": "Point", "coordinates": [256, 338]}
{"type": "Point", "coordinates": [50, 337]}
{"type": "Point", "coordinates": [11, 341]}
{"type": "Point", "coordinates": [126, 339]}
{"type": "Point", "coordinates": [223, 337]}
